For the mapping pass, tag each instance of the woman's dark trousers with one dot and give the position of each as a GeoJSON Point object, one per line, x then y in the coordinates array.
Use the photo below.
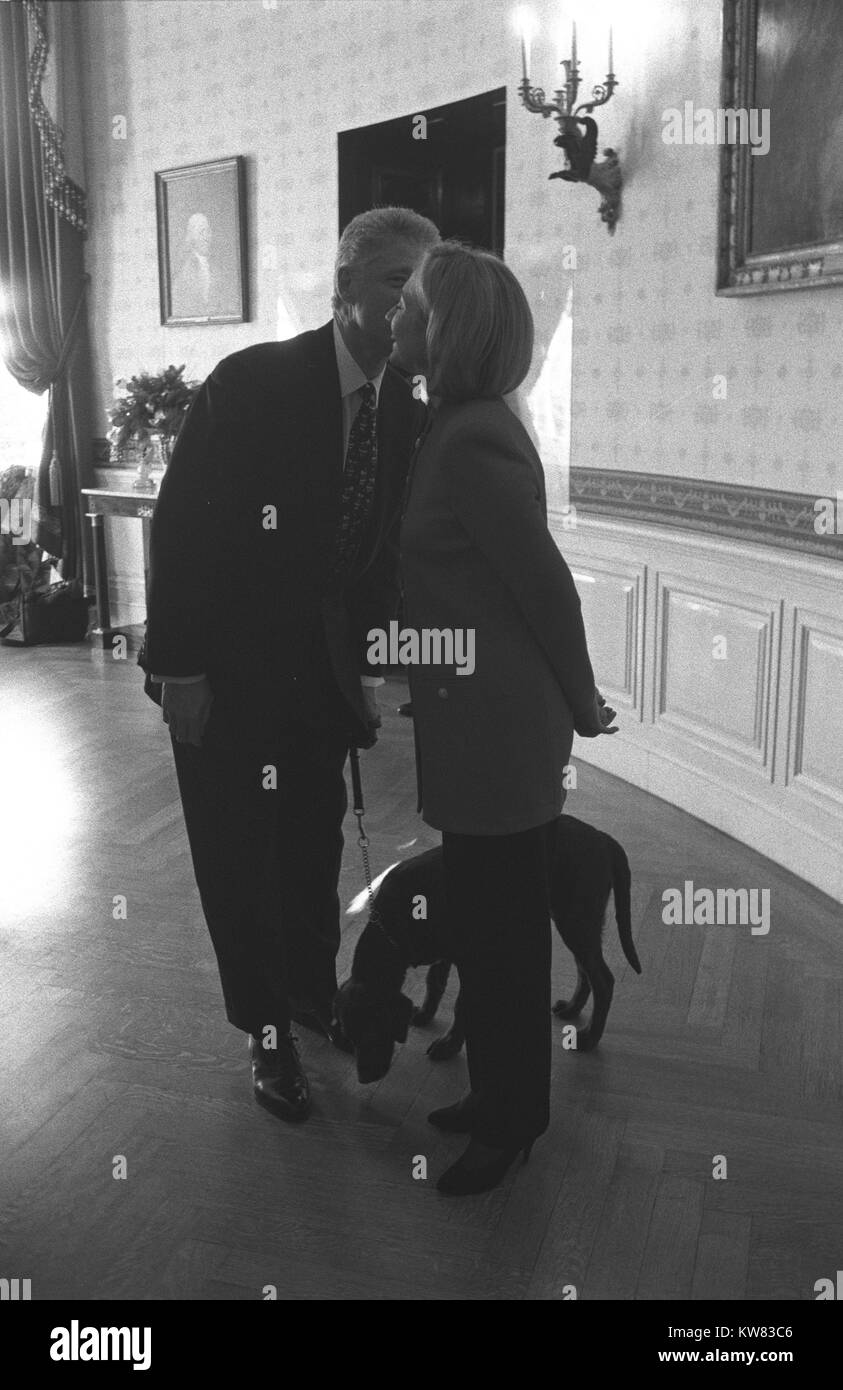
{"type": "Point", "coordinates": [498, 903]}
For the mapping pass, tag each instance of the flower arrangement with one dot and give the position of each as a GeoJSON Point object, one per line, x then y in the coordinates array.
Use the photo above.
{"type": "Point", "coordinates": [150, 405]}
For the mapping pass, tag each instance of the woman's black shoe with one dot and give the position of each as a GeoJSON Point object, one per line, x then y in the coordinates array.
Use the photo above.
{"type": "Point", "coordinates": [461, 1180]}
{"type": "Point", "coordinates": [456, 1119]}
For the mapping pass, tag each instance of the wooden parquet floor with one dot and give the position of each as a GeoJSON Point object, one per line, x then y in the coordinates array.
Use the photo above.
{"type": "Point", "coordinates": [115, 1044]}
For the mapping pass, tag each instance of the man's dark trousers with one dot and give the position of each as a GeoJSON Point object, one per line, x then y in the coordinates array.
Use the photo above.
{"type": "Point", "coordinates": [266, 851]}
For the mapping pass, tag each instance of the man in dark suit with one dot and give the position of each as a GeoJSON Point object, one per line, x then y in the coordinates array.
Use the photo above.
{"type": "Point", "coordinates": [273, 552]}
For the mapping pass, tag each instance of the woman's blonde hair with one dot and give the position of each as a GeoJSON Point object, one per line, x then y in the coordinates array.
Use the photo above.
{"type": "Point", "coordinates": [479, 324]}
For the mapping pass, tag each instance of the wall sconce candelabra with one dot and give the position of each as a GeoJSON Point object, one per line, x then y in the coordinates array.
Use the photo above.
{"type": "Point", "coordinates": [579, 145]}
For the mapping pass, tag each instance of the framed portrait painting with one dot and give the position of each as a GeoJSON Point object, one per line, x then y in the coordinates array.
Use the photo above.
{"type": "Point", "coordinates": [202, 261]}
{"type": "Point", "coordinates": [781, 204]}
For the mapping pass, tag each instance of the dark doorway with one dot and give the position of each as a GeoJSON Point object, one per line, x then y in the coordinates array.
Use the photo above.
{"type": "Point", "coordinates": [455, 175]}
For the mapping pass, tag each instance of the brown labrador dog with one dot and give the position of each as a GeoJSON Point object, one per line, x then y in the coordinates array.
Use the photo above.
{"type": "Point", "coordinates": [409, 927]}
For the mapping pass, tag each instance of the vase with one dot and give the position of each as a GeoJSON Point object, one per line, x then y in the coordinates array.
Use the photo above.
{"type": "Point", "coordinates": [143, 478]}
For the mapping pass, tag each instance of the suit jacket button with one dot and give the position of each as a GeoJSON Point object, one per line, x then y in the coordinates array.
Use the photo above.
{"type": "Point", "coordinates": [442, 693]}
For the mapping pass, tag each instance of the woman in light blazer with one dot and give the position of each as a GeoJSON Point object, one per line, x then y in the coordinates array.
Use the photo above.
{"type": "Point", "coordinates": [492, 742]}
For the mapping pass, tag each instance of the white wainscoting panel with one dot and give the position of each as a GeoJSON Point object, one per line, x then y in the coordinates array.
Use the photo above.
{"type": "Point", "coordinates": [815, 765]}
{"type": "Point", "coordinates": [749, 740]}
{"type": "Point", "coordinates": [613, 611]}
{"type": "Point", "coordinates": [713, 671]}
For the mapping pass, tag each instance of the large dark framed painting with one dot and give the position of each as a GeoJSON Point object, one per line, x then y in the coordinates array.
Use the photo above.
{"type": "Point", "coordinates": [781, 212]}
{"type": "Point", "coordinates": [455, 175]}
{"type": "Point", "coordinates": [202, 264]}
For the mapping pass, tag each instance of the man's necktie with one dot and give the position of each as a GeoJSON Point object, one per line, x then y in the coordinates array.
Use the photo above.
{"type": "Point", "coordinates": [358, 488]}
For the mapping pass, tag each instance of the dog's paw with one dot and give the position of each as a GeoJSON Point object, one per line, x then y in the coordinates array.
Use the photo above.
{"type": "Point", "coordinates": [444, 1048]}
{"type": "Point", "coordinates": [586, 1040]}
{"type": "Point", "coordinates": [565, 1008]}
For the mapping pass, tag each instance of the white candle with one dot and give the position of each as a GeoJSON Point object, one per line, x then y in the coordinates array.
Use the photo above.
{"type": "Point", "coordinates": [610, 48]}
{"type": "Point", "coordinates": [574, 46]}
{"type": "Point", "coordinates": [524, 26]}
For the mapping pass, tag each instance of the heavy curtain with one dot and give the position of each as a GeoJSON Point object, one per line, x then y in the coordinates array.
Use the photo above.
{"type": "Point", "coordinates": [42, 275]}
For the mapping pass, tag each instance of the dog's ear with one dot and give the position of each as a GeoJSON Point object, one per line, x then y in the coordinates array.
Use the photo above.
{"type": "Point", "coordinates": [404, 1010]}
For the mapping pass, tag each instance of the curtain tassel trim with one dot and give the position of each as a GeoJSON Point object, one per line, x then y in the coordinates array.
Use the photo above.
{"type": "Point", "coordinates": [61, 192]}
{"type": "Point", "coordinates": [55, 481]}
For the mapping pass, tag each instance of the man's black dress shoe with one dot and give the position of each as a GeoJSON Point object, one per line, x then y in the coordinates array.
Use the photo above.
{"type": "Point", "coordinates": [278, 1080]}
{"type": "Point", "coordinates": [320, 1020]}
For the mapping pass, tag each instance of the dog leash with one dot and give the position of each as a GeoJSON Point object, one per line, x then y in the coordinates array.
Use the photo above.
{"type": "Point", "coordinates": [363, 841]}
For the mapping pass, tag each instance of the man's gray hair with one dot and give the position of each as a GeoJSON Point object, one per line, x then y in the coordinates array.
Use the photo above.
{"type": "Point", "coordinates": [366, 232]}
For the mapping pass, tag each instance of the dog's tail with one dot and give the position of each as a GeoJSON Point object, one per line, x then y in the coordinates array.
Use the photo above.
{"type": "Point", "coordinates": [621, 883]}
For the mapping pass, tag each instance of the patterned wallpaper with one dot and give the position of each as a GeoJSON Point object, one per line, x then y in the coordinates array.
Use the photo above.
{"type": "Point", "coordinates": [628, 341]}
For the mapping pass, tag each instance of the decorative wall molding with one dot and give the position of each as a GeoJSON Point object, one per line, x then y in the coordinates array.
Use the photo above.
{"type": "Point", "coordinates": [742, 673]}
{"type": "Point", "coordinates": [763, 516]}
